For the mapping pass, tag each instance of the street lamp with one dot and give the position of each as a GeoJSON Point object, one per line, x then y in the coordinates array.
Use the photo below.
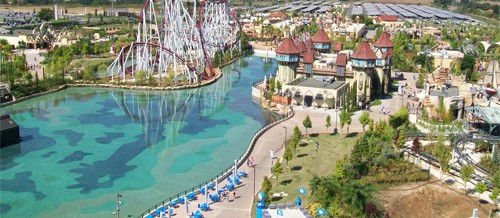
{"type": "Point", "coordinates": [118, 203]}
{"type": "Point", "coordinates": [473, 92]}
{"type": "Point", "coordinates": [286, 129]}
{"type": "Point", "coordinates": [317, 149]}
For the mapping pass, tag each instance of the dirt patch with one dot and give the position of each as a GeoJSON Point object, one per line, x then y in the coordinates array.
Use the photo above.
{"type": "Point", "coordinates": [429, 200]}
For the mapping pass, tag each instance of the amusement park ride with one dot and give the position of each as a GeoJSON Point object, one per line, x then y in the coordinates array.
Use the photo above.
{"type": "Point", "coordinates": [178, 39]}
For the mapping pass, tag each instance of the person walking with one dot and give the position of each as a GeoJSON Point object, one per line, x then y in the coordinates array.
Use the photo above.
{"type": "Point", "coordinates": [234, 195]}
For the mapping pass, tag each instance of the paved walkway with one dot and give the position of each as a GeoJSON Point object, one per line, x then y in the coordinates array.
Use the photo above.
{"type": "Point", "coordinates": [274, 139]}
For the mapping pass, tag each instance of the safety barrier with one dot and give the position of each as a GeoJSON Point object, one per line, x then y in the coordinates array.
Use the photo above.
{"type": "Point", "coordinates": [224, 174]}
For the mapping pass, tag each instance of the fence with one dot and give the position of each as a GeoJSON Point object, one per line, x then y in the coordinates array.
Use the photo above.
{"type": "Point", "coordinates": [224, 174]}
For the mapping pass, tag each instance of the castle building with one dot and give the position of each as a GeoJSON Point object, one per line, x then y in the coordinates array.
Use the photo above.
{"type": "Point", "coordinates": [368, 68]}
{"type": "Point", "coordinates": [363, 64]}
{"type": "Point", "coordinates": [321, 41]}
{"type": "Point", "coordinates": [288, 56]}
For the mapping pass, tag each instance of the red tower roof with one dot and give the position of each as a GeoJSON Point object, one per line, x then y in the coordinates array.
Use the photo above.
{"type": "Point", "coordinates": [364, 52]}
{"type": "Point", "coordinates": [321, 37]}
{"type": "Point", "coordinates": [309, 44]}
{"type": "Point", "coordinates": [287, 47]}
{"type": "Point", "coordinates": [337, 46]}
{"type": "Point", "coordinates": [302, 46]}
{"type": "Point", "coordinates": [341, 60]}
{"type": "Point", "coordinates": [384, 41]}
{"type": "Point", "coordinates": [308, 57]}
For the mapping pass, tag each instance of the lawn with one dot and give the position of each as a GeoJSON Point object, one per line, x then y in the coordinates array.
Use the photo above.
{"type": "Point", "coordinates": [305, 164]}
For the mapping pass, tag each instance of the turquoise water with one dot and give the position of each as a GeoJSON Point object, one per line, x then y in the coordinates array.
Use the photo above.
{"type": "Point", "coordinates": [81, 146]}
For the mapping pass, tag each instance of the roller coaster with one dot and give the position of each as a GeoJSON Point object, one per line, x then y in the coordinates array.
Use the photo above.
{"type": "Point", "coordinates": [179, 38]}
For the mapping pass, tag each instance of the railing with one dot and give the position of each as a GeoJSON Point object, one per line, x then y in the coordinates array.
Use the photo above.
{"type": "Point", "coordinates": [224, 174]}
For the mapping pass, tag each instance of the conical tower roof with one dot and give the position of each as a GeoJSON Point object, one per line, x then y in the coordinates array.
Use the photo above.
{"type": "Point", "coordinates": [364, 52]}
{"type": "Point", "coordinates": [321, 37]}
{"type": "Point", "coordinates": [288, 47]}
{"type": "Point", "coordinates": [384, 41]}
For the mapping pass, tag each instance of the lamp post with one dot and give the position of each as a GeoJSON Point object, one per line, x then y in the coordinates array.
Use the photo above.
{"type": "Point", "coordinates": [335, 130]}
{"type": "Point", "coordinates": [118, 203]}
{"type": "Point", "coordinates": [473, 92]}
{"type": "Point", "coordinates": [286, 130]}
{"type": "Point", "coordinates": [317, 149]}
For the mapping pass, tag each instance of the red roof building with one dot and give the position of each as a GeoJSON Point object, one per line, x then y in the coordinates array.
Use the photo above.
{"type": "Point", "coordinates": [288, 47]}
{"type": "Point", "coordinates": [384, 41]}
{"type": "Point", "coordinates": [364, 52]}
{"type": "Point", "coordinates": [381, 19]}
{"type": "Point", "coordinates": [337, 46]}
{"type": "Point", "coordinates": [277, 16]}
{"type": "Point", "coordinates": [309, 44]}
{"type": "Point", "coordinates": [308, 58]}
{"type": "Point", "coordinates": [321, 37]}
{"type": "Point", "coordinates": [302, 47]}
{"type": "Point", "coordinates": [341, 60]}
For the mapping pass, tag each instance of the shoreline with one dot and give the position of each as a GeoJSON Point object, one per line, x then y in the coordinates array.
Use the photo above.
{"type": "Point", "coordinates": [218, 75]}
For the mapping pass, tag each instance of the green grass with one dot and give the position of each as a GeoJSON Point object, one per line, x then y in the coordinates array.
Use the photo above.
{"type": "Point", "coordinates": [304, 165]}
{"type": "Point", "coordinates": [376, 102]}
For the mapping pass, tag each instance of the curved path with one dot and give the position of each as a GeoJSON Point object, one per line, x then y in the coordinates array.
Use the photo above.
{"type": "Point", "coordinates": [271, 139]}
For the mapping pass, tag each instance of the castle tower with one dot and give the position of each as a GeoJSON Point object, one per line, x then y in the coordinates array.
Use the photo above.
{"type": "Point", "coordinates": [321, 41]}
{"type": "Point", "coordinates": [383, 48]}
{"type": "Point", "coordinates": [287, 55]}
{"type": "Point", "coordinates": [363, 64]}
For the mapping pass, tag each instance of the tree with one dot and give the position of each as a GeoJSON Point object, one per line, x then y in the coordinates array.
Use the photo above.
{"type": "Point", "coordinates": [494, 195]}
{"type": "Point", "coordinates": [277, 170]}
{"type": "Point", "coordinates": [466, 175]}
{"type": "Point", "coordinates": [364, 119]}
{"type": "Point", "coordinates": [480, 187]}
{"type": "Point", "coordinates": [278, 86]}
{"type": "Point", "coordinates": [266, 188]}
{"type": "Point", "coordinates": [307, 123]}
{"type": "Point", "coordinates": [399, 118]}
{"type": "Point", "coordinates": [295, 138]}
{"type": "Point", "coordinates": [288, 155]}
{"type": "Point", "coordinates": [400, 143]}
{"type": "Point", "coordinates": [345, 118]}
{"type": "Point", "coordinates": [356, 195]}
{"type": "Point", "coordinates": [45, 14]}
{"type": "Point", "coordinates": [328, 122]}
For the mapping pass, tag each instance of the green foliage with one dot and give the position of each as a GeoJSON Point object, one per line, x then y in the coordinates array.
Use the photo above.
{"type": "Point", "coordinates": [399, 118]}
{"type": "Point", "coordinates": [328, 122]}
{"type": "Point", "coordinates": [288, 155]}
{"type": "Point", "coordinates": [345, 118]}
{"type": "Point", "coordinates": [467, 66]}
{"type": "Point", "coordinates": [307, 123]}
{"type": "Point", "coordinates": [365, 119]}
{"type": "Point", "coordinates": [45, 14]}
{"type": "Point", "coordinates": [424, 61]}
{"type": "Point", "coordinates": [295, 138]}
{"type": "Point", "coordinates": [272, 85]}
{"type": "Point", "coordinates": [266, 188]}
{"type": "Point", "coordinates": [376, 102]}
{"type": "Point", "coordinates": [313, 27]}
{"type": "Point", "coordinates": [401, 139]}
{"type": "Point", "coordinates": [277, 170]}
{"type": "Point", "coordinates": [141, 77]}
{"type": "Point", "coordinates": [481, 187]}
{"type": "Point", "coordinates": [466, 174]}
{"type": "Point", "coordinates": [278, 86]}
{"type": "Point", "coordinates": [487, 163]}
{"type": "Point", "coordinates": [494, 194]}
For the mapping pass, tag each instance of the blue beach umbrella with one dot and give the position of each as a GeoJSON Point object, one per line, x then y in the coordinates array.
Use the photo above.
{"type": "Point", "coordinates": [261, 196]}
{"type": "Point", "coordinates": [321, 212]}
{"type": "Point", "coordinates": [279, 212]}
{"type": "Point", "coordinates": [302, 191]}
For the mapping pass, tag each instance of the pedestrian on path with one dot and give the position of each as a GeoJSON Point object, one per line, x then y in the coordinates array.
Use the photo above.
{"type": "Point", "coordinates": [234, 195]}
